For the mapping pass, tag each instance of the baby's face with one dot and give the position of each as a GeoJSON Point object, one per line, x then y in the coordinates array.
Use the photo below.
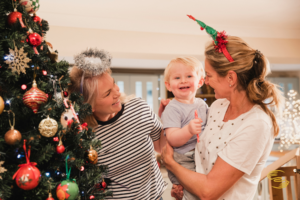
{"type": "Point", "coordinates": [183, 82]}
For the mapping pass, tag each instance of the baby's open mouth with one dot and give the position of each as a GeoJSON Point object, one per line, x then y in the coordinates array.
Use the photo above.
{"type": "Point", "coordinates": [184, 88]}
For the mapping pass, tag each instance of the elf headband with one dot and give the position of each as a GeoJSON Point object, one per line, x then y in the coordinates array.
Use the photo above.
{"type": "Point", "coordinates": [218, 37]}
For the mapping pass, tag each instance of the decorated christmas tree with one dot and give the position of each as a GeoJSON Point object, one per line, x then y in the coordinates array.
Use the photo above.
{"type": "Point", "coordinates": [46, 152]}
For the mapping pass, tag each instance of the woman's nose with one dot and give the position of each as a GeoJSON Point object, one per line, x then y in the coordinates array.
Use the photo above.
{"type": "Point", "coordinates": [206, 81]}
{"type": "Point", "coordinates": [117, 91]}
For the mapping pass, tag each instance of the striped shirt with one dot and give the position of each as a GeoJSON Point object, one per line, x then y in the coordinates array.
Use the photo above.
{"type": "Point", "coordinates": [127, 149]}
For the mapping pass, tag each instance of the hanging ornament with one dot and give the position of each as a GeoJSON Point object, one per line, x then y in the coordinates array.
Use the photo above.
{"type": "Point", "coordinates": [17, 60]}
{"type": "Point", "coordinates": [37, 19]}
{"type": "Point", "coordinates": [53, 55]}
{"type": "Point", "coordinates": [12, 136]}
{"type": "Point", "coordinates": [2, 169]}
{"type": "Point", "coordinates": [68, 115]}
{"type": "Point", "coordinates": [67, 189]}
{"type": "Point", "coordinates": [50, 197]}
{"type": "Point", "coordinates": [34, 97]}
{"type": "Point", "coordinates": [2, 105]}
{"type": "Point", "coordinates": [48, 127]}
{"type": "Point", "coordinates": [34, 39]}
{"type": "Point", "coordinates": [44, 72]}
{"type": "Point", "coordinates": [31, 6]}
{"type": "Point", "coordinates": [28, 176]}
{"type": "Point", "coordinates": [92, 155]}
{"type": "Point", "coordinates": [13, 18]}
{"type": "Point", "coordinates": [66, 94]}
{"type": "Point", "coordinates": [60, 148]}
{"type": "Point", "coordinates": [103, 184]}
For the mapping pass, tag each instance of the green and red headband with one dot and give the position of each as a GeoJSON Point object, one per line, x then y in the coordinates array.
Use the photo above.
{"type": "Point", "coordinates": [218, 37]}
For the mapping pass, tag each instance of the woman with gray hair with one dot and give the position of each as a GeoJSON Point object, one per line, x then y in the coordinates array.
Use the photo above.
{"type": "Point", "coordinates": [128, 129]}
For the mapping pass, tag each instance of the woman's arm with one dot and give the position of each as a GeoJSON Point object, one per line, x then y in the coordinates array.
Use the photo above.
{"type": "Point", "coordinates": [159, 144]}
{"type": "Point", "coordinates": [210, 186]}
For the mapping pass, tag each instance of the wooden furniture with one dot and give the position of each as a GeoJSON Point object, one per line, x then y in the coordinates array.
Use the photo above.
{"type": "Point", "coordinates": [278, 178]}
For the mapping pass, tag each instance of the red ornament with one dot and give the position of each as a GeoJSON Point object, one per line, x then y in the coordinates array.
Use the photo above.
{"type": "Point", "coordinates": [92, 197]}
{"type": "Point", "coordinates": [34, 97]}
{"type": "Point", "coordinates": [37, 19]}
{"type": "Point", "coordinates": [28, 176]}
{"type": "Point", "coordinates": [66, 94]}
{"type": "Point", "coordinates": [60, 147]}
{"type": "Point", "coordinates": [50, 197]}
{"type": "Point", "coordinates": [55, 139]}
{"type": "Point", "coordinates": [24, 87]}
{"type": "Point", "coordinates": [44, 72]}
{"type": "Point", "coordinates": [13, 16]}
{"type": "Point", "coordinates": [201, 28]}
{"type": "Point", "coordinates": [104, 184]}
{"type": "Point", "coordinates": [34, 40]}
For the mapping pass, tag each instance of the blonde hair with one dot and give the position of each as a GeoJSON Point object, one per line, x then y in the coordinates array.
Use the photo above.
{"type": "Point", "coordinates": [90, 89]}
{"type": "Point", "coordinates": [251, 68]}
{"type": "Point", "coordinates": [189, 61]}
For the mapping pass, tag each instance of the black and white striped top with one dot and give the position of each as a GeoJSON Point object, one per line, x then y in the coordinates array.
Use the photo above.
{"type": "Point", "coordinates": [128, 151]}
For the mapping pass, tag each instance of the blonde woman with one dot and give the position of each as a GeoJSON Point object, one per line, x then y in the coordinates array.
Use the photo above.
{"type": "Point", "coordinates": [240, 130]}
{"type": "Point", "coordinates": [128, 129]}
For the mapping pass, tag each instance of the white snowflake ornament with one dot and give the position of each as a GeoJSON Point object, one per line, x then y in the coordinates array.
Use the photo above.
{"type": "Point", "coordinates": [17, 60]}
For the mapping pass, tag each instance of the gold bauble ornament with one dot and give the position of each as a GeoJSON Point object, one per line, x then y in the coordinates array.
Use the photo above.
{"type": "Point", "coordinates": [1, 105]}
{"type": "Point", "coordinates": [12, 136]}
{"type": "Point", "coordinates": [92, 155]}
{"type": "Point", "coordinates": [48, 127]}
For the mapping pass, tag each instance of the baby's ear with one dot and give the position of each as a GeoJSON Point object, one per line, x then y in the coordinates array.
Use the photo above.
{"type": "Point", "coordinates": [167, 84]}
{"type": "Point", "coordinates": [201, 82]}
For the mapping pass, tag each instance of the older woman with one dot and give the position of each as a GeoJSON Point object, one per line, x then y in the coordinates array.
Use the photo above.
{"type": "Point", "coordinates": [128, 129]}
{"type": "Point", "coordinates": [239, 134]}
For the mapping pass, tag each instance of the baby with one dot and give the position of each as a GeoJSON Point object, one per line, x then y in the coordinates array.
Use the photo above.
{"type": "Point", "coordinates": [181, 122]}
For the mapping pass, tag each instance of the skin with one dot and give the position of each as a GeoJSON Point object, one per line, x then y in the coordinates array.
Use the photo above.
{"type": "Point", "coordinates": [222, 176]}
{"type": "Point", "coordinates": [183, 83]}
{"type": "Point", "coordinates": [108, 104]}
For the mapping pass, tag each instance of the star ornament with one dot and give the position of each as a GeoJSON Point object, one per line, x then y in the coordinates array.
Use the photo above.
{"type": "Point", "coordinates": [2, 169]}
{"type": "Point", "coordinates": [17, 60]}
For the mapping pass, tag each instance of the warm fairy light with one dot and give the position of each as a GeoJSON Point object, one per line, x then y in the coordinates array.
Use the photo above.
{"type": "Point", "coordinates": [290, 122]}
{"type": "Point", "coordinates": [44, 72]}
{"type": "Point", "coordinates": [24, 87]}
{"type": "Point", "coordinates": [82, 168]}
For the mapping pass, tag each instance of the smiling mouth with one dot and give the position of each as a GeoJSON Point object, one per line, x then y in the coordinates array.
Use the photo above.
{"type": "Point", "coordinates": [182, 88]}
{"type": "Point", "coordinates": [116, 102]}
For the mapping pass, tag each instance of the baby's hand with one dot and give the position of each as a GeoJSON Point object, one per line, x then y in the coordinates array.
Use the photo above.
{"type": "Point", "coordinates": [195, 126]}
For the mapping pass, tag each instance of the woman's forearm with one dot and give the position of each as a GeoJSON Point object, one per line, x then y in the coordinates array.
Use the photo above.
{"type": "Point", "coordinates": [159, 144]}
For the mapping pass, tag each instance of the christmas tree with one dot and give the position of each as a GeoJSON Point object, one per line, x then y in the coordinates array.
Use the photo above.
{"type": "Point", "coordinates": [44, 146]}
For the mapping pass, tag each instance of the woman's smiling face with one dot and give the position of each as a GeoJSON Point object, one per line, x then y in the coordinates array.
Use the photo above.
{"type": "Point", "coordinates": [215, 81]}
{"type": "Point", "coordinates": [107, 100]}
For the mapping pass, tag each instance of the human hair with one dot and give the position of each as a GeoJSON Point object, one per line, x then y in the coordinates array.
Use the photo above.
{"type": "Point", "coordinates": [251, 68]}
{"type": "Point", "coordinates": [90, 89]}
{"type": "Point", "coordinates": [189, 61]}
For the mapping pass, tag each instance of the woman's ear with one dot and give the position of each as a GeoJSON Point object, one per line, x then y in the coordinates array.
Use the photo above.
{"type": "Point", "coordinates": [232, 78]}
{"type": "Point", "coordinates": [167, 84]}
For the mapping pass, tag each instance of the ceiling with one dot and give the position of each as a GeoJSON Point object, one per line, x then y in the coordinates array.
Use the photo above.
{"type": "Point", "coordinates": [255, 18]}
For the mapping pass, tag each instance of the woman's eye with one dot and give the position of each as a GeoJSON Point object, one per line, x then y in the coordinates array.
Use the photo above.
{"type": "Point", "coordinates": [176, 77]}
{"type": "Point", "coordinates": [108, 94]}
{"type": "Point", "coordinates": [190, 76]}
